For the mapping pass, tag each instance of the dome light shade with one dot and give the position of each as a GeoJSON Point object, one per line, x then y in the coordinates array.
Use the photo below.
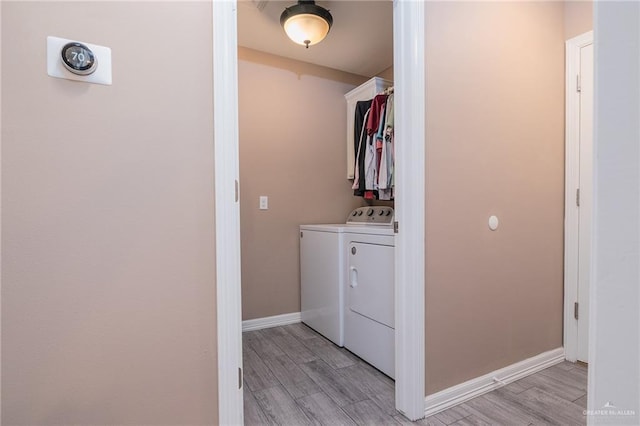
{"type": "Point", "coordinates": [306, 23]}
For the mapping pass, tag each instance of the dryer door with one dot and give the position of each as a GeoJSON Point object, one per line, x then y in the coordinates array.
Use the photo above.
{"type": "Point", "coordinates": [371, 275]}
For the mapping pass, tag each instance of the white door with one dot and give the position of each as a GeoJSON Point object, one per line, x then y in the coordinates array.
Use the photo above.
{"type": "Point", "coordinates": [585, 198]}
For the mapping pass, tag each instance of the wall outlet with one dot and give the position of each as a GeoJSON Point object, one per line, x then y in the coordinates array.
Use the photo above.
{"type": "Point", "coordinates": [264, 202]}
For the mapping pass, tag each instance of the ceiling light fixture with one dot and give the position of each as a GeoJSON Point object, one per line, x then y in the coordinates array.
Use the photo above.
{"type": "Point", "coordinates": [306, 23]}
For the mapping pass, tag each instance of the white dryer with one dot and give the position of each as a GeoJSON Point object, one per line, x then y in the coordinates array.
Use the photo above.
{"type": "Point", "coordinates": [369, 327]}
{"type": "Point", "coordinates": [347, 291]}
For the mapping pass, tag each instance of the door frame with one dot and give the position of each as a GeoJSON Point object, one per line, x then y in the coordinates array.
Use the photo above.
{"type": "Point", "coordinates": [227, 212]}
{"type": "Point", "coordinates": [409, 70]}
{"type": "Point", "coordinates": [410, 109]}
{"type": "Point", "coordinates": [572, 181]}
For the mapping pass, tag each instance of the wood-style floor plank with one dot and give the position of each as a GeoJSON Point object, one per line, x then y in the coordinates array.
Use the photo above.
{"type": "Point", "coordinates": [289, 344]}
{"type": "Point", "coordinates": [294, 376]}
{"type": "Point", "coordinates": [280, 408]}
{"type": "Point", "coordinates": [453, 414]}
{"type": "Point", "coordinates": [580, 366]}
{"type": "Point", "coordinates": [367, 413]}
{"type": "Point", "coordinates": [507, 403]}
{"type": "Point", "coordinates": [499, 412]}
{"type": "Point", "coordinates": [574, 377]}
{"type": "Point", "coordinates": [372, 370]}
{"type": "Point", "coordinates": [301, 331]}
{"type": "Point", "coordinates": [582, 401]}
{"type": "Point", "coordinates": [553, 385]}
{"type": "Point", "coordinates": [518, 386]}
{"type": "Point", "coordinates": [566, 365]}
{"type": "Point", "coordinates": [428, 421]}
{"type": "Point", "coordinates": [294, 380]}
{"type": "Point", "coordinates": [262, 345]}
{"type": "Point", "coordinates": [328, 352]}
{"type": "Point", "coordinates": [321, 410]}
{"type": "Point", "coordinates": [335, 385]}
{"type": "Point", "coordinates": [253, 414]}
{"type": "Point", "coordinates": [552, 409]}
{"type": "Point", "coordinates": [256, 374]}
{"type": "Point", "coordinates": [471, 421]}
{"type": "Point", "coordinates": [377, 390]}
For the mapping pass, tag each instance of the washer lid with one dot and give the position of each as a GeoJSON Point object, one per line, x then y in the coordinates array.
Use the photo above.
{"type": "Point", "coordinates": [331, 227]}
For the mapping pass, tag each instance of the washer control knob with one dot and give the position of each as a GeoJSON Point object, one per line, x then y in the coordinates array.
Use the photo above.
{"type": "Point", "coordinates": [388, 212]}
{"type": "Point", "coordinates": [360, 213]}
{"type": "Point", "coordinates": [355, 213]}
{"type": "Point", "coordinates": [381, 212]}
{"type": "Point", "coordinates": [370, 212]}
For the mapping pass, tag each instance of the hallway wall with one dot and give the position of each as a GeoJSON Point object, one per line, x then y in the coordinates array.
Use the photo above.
{"type": "Point", "coordinates": [578, 18]}
{"type": "Point", "coordinates": [108, 257]}
{"type": "Point", "coordinates": [494, 146]}
{"type": "Point", "coordinates": [292, 118]}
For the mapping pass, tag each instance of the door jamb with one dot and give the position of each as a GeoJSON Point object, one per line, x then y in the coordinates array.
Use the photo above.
{"type": "Point", "coordinates": [572, 180]}
{"type": "Point", "coordinates": [409, 103]}
{"type": "Point", "coordinates": [227, 212]}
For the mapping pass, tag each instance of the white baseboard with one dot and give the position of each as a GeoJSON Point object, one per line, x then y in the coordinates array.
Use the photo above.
{"type": "Point", "coordinates": [268, 322]}
{"type": "Point", "coordinates": [458, 394]}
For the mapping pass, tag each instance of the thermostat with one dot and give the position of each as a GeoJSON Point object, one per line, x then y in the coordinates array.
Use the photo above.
{"type": "Point", "coordinates": [78, 60]}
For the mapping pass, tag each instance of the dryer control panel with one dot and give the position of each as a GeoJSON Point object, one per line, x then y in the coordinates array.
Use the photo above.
{"type": "Point", "coordinates": [374, 215]}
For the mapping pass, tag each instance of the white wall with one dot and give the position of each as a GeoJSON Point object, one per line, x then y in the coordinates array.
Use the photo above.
{"type": "Point", "coordinates": [614, 375]}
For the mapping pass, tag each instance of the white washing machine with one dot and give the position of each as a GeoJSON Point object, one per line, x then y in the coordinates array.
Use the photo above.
{"type": "Point", "coordinates": [347, 291]}
{"type": "Point", "coordinates": [322, 277]}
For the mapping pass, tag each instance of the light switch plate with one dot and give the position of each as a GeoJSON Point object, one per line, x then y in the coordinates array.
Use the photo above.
{"type": "Point", "coordinates": [264, 202]}
{"type": "Point", "coordinates": [55, 67]}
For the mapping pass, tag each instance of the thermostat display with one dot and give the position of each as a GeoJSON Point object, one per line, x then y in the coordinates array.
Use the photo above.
{"type": "Point", "coordinates": [78, 61]}
{"type": "Point", "coordinates": [78, 58]}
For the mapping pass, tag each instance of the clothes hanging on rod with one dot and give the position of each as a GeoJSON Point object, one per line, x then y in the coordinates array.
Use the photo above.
{"type": "Point", "coordinates": [385, 175]}
{"type": "Point", "coordinates": [373, 145]}
{"type": "Point", "coordinates": [360, 136]}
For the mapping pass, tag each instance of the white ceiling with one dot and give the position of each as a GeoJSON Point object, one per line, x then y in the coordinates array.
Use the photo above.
{"type": "Point", "coordinates": [360, 40]}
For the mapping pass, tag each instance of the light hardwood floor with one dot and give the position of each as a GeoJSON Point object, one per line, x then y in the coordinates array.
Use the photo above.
{"type": "Point", "coordinates": [294, 376]}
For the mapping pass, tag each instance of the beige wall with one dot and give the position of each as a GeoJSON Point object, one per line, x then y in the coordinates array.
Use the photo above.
{"type": "Point", "coordinates": [387, 73]}
{"type": "Point", "coordinates": [578, 17]}
{"type": "Point", "coordinates": [293, 150]}
{"type": "Point", "coordinates": [495, 108]}
{"type": "Point", "coordinates": [108, 274]}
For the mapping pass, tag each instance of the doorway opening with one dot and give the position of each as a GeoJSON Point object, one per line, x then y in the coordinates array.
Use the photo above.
{"type": "Point", "coordinates": [409, 18]}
